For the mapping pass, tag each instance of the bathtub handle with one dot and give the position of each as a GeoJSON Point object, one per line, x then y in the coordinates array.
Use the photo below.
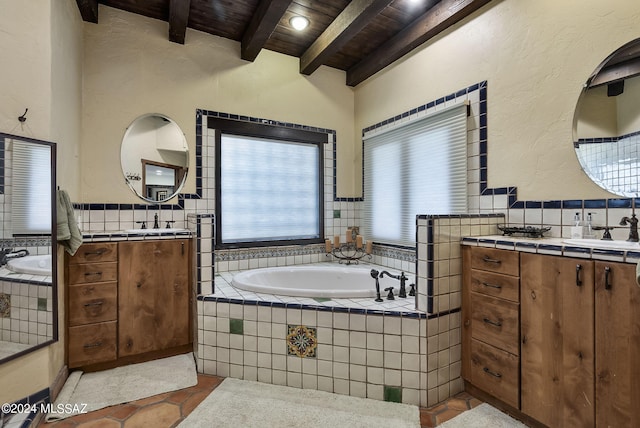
{"type": "Point", "coordinates": [390, 295]}
{"type": "Point", "coordinates": [412, 291]}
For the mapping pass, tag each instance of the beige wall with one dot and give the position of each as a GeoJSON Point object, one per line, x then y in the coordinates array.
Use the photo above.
{"type": "Point", "coordinates": [131, 69]}
{"type": "Point", "coordinates": [41, 43]}
{"type": "Point", "coordinates": [535, 56]}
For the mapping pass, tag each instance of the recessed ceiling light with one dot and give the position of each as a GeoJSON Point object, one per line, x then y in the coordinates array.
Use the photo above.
{"type": "Point", "coordinates": [299, 22]}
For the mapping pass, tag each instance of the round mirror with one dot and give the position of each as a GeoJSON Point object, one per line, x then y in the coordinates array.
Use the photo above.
{"type": "Point", "coordinates": [154, 156]}
{"type": "Point", "coordinates": [607, 123]}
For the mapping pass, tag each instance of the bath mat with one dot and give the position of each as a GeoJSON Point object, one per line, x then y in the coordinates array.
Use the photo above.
{"type": "Point", "coordinates": [482, 416]}
{"type": "Point", "coordinates": [242, 403]}
{"type": "Point", "coordinates": [86, 392]}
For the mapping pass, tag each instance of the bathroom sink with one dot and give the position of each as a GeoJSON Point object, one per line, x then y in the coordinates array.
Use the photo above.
{"type": "Point", "coordinates": [599, 243]}
{"type": "Point", "coordinates": [156, 231]}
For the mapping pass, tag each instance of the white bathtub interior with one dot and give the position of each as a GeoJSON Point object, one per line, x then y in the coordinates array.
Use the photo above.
{"type": "Point", "coordinates": [34, 265]}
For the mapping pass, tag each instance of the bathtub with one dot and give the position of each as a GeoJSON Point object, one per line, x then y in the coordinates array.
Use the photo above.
{"type": "Point", "coordinates": [34, 265]}
{"type": "Point", "coordinates": [327, 281]}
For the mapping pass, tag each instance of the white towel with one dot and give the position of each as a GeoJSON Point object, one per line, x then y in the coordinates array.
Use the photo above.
{"type": "Point", "coordinates": [68, 233]}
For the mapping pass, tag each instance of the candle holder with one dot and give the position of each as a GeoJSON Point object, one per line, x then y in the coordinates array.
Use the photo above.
{"type": "Point", "coordinates": [351, 251]}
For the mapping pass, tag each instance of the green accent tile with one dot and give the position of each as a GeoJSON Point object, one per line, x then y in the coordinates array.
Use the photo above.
{"type": "Point", "coordinates": [42, 304]}
{"type": "Point", "coordinates": [236, 326]}
{"type": "Point", "coordinates": [336, 213]}
{"type": "Point", "coordinates": [321, 299]}
{"type": "Point", "coordinates": [393, 394]}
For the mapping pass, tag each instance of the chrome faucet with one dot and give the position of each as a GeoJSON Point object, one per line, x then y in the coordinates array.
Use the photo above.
{"type": "Point", "coordinates": [633, 226]}
{"type": "Point", "coordinates": [402, 278]}
{"type": "Point", "coordinates": [7, 254]}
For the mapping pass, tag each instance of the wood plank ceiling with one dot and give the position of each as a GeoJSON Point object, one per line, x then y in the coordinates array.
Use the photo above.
{"type": "Point", "coordinates": [360, 37]}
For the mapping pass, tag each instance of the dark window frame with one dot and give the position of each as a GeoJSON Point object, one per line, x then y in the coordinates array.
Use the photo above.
{"type": "Point", "coordinates": [258, 130]}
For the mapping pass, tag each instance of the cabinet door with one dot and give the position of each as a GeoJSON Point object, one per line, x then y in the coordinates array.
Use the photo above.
{"type": "Point", "coordinates": [557, 352]}
{"type": "Point", "coordinates": [617, 345]}
{"type": "Point", "coordinates": [153, 307]}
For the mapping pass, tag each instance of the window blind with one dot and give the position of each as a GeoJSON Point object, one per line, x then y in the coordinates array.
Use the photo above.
{"type": "Point", "coordinates": [417, 168]}
{"type": "Point", "coordinates": [269, 190]}
{"type": "Point", "coordinates": [31, 188]}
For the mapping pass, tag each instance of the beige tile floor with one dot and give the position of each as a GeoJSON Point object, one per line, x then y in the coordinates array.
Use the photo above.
{"type": "Point", "coordinates": [169, 409]}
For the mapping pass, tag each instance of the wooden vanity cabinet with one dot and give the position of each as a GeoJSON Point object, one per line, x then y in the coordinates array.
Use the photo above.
{"type": "Point", "coordinates": [154, 290]}
{"type": "Point", "coordinates": [491, 323]}
{"type": "Point", "coordinates": [127, 302]}
{"type": "Point", "coordinates": [557, 321]}
{"type": "Point", "coordinates": [92, 300]}
{"type": "Point", "coordinates": [617, 320]}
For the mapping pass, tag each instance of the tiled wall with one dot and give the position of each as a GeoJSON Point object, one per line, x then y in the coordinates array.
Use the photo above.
{"type": "Point", "coordinates": [26, 315]}
{"type": "Point", "coordinates": [385, 356]}
{"type": "Point", "coordinates": [602, 158]}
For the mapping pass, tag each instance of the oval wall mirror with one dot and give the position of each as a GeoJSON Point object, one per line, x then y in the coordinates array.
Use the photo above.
{"type": "Point", "coordinates": [154, 156]}
{"type": "Point", "coordinates": [607, 123]}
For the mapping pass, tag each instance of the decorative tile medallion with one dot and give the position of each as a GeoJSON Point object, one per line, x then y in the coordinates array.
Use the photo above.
{"type": "Point", "coordinates": [302, 341]}
{"type": "Point", "coordinates": [5, 305]}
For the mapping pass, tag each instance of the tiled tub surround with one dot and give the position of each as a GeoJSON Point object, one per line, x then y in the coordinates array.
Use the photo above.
{"type": "Point", "coordinates": [385, 351]}
{"type": "Point", "coordinates": [26, 303]}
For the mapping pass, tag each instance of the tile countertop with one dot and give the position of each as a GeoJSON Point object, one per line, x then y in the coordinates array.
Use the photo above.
{"type": "Point", "coordinates": [120, 235]}
{"type": "Point", "coordinates": [552, 246]}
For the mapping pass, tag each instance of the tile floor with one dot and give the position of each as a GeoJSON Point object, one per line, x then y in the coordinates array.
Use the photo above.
{"type": "Point", "coordinates": [169, 409]}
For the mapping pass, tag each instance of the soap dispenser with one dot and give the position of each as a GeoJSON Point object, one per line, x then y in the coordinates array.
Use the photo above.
{"type": "Point", "coordinates": [576, 229]}
{"type": "Point", "coordinates": [588, 229]}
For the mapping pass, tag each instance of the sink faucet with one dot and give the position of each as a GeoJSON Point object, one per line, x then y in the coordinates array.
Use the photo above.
{"type": "Point", "coordinates": [402, 278]}
{"type": "Point", "coordinates": [155, 222]}
{"type": "Point", "coordinates": [633, 226]}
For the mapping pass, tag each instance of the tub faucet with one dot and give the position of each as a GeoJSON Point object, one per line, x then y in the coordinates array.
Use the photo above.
{"type": "Point", "coordinates": [403, 280]}
{"type": "Point", "coordinates": [374, 274]}
{"type": "Point", "coordinates": [633, 226]}
{"type": "Point", "coordinates": [155, 222]}
{"type": "Point", "coordinates": [8, 253]}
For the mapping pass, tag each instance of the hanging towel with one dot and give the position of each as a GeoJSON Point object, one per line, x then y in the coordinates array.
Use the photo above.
{"type": "Point", "coordinates": [69, 235]}
{"type": "Point", "coordinates": [638, 274]}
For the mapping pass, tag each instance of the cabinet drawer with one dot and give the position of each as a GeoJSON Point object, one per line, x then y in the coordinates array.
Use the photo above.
{"type": "Point", "coordinates": [93, 272]}
{"type": "Point", "coordinates": [95, 252]}
{"type": "Point", "coordinates": [92, 343]}
{"type": "Point", "coordinates": [493, 260]}
{"type": "Point", "coordinates": [495, 285]}
{"type": "Point", "coordinates": [90, 303]}
{"type": "Point", "coordinates": [496, 322]}
{"type": "Point", "coordinates": [496, 372]}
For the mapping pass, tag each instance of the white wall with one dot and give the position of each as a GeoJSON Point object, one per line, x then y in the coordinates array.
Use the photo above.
{"type": "Point", "coordinates": [131, 69]}
{"type": "Point", "coordinates": [535, 56]}
{"type": "Point", "coordinates": [40, 43]}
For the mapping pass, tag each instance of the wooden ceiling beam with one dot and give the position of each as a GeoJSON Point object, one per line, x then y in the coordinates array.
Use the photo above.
{"type": "Point", "coordinates": [263, 22]}
{"type": "Point", "coordinates": [88, 10]}
{"type": "Point", "coordinates": [178, 20]}
{"type": "Point", "coordinates": [351, 20]}
{"type": "Point", "coordinates": [616, 73]}
{"type": "Point", "coordinates": [437, 19]}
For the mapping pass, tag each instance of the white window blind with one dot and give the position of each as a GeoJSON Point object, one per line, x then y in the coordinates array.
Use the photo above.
{"type": "Point", "coordinates": [31, 188]}
{"type": "Point", "coordinates": [269, 190]}
{"type": "Point", "coordinates": [417, 168]}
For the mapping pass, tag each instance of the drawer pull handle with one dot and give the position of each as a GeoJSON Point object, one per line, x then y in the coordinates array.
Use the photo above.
{"type": "Point", "coordinates": [99, 303]}
{"type": "Point", "coordinates": [495, 323]}
{"type": "Point", "coordinates": [92, 345]}
{"type": "Point", "coordinates": [489, 372]}
{"type": "Point", "coordinates": [486, 284]}
{"type": "Point", "coordinates": [93, 274]}
{"type": "Point", "coordinates": [488, 259]}
{"type": "Point", "coordinates": [607, 276]}
{"type": "Point", "coordinates": [94, 253]}
{"type": "Point", "coordinates": [578, 280]}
